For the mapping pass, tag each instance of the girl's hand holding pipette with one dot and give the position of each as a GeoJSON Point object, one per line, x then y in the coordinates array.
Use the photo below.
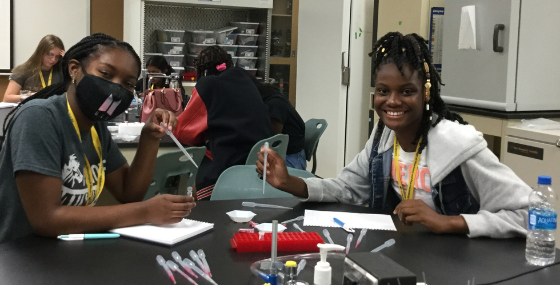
{"type": "Point", "coordinates": [152, 127]}
{"type": "Point", "coordinates": [277, 174]}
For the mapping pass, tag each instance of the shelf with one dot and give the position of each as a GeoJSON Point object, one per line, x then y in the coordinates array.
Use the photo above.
{"type": "Point", "coordinates": [281, 15]}
{"type": "Point", "coordinates": [189, 83]}
{"type": "Point", "coordinates": [281, 60]}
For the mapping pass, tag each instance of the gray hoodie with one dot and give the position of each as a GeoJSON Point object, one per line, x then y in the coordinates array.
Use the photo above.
{"type": "Point", "coordinates": [503, 197]}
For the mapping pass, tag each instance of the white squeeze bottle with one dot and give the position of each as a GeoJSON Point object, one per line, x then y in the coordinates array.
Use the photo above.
{"type": "Point", "coordinates": [323, 270]}
{"type": "Point", "coordinates": [540, 249]}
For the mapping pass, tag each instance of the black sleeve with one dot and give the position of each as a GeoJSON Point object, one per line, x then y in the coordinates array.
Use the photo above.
{"type": "Point", "coordinates": [277, 110]}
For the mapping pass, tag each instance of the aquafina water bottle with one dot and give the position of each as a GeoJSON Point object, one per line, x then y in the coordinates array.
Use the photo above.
{"type": "Point", "coordinates": [540, 248]}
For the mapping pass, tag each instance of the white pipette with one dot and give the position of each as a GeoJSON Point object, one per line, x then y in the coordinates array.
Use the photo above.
{"type": "Point", "coordinates": [197, 270]}
{"type": "Point", "coordinates": [203, 258]}
{"type": "Point", "coordinates": [300, 266]}
{"type": "Point", "coordinates": [348, 241]}
{"type": "Point", "coordinates": [265, 161]}
{"type": "Point", "coordinates": [384, 245]}
{"type": "Point", "coordinates": [176, 268]}
{"type": "Point", "coordinates": [293, 220]}
{"type": "Point", "coordinates": [298, 228]}
{"type": "Point", "coordinates": [196, 259]}
{"type": "Point", "coordinates": [169, 133]}
{"type": "Point", "coordinates": [362, 234]}
{"type": "Point", "coordinates": [161, 262]}
{"type": "Point", "coordinates": [328, 236]}
{"type": "Point", "coordinates": [252, 204]}
{"type": "Point", "coordinates": [177, 258]}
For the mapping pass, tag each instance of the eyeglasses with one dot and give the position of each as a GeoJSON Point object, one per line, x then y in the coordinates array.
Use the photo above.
{"type": "Point", "coordinates": [56, 56]}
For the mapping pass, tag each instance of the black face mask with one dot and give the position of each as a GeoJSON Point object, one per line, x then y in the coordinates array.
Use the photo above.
{"type": "Point", "coordinates": [100, 99]}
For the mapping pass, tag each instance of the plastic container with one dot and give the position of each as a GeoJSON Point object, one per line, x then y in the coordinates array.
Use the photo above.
{"type": "Point", "coordinates": [249, 51]}
{"type": "Point", "coordinates": [292, 241]}
{"type": "Point", "coordinates": [245, 27]}
{"type": "Point", "coordinates": [540, 249]}
{"type": "Point", "coordinates": [189, 74]}
{"type": "Point", "coordinates": [231, 49]}
{"type": "Point", "coordinates": [241, 216]}
{"type": "Point", "coordinates": [147, 56]}
{"type": "Point", "coordinates": [247, 40]}
{"type": "Point", "coordinates": [174, 36]}
{"type": "Point", "coordinates": [247, 62]}
{"type": "Point", "coordinates": [175, 60]}
{"type": "Point", "coordinates": [201, 37]}
{"type": "Point", "coordinates": [170, 48]}
{"type": "Point", "coordinates": [225, 36]}
{"type": "Point", "coordinates": [195, 48]}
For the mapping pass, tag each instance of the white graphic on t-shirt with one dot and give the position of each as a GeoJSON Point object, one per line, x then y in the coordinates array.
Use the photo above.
{"type": "Point", "coordinates": [71, 172]}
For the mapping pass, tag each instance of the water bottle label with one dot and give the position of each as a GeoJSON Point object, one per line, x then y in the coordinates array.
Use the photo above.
{"type": "Point", "coordinates": [539, 220]}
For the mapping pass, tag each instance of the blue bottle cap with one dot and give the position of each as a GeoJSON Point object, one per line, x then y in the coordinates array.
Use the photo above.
{"type": "Point", "coordinates": [545, 180]}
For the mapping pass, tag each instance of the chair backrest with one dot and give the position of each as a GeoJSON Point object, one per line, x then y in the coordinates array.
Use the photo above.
{"type": "Point", "coordinates": [278, 143]}
{"type": "Point", "coordinates": [314, 129]}
{"type": "Point", "coordinates": [169, 169]}
{"type": "Point", "coordinates": [243, 182]}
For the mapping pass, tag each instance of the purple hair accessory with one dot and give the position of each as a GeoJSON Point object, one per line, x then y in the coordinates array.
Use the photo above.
{"type": "Point", "coordinates": [221, 67]}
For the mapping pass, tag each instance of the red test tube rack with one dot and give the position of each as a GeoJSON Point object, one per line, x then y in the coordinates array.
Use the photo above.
{"type": "Point", "coordinates": [291, 241]}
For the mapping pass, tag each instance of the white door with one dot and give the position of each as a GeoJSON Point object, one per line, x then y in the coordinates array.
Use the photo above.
{"type": "Point", "coordinates": [327, 29]}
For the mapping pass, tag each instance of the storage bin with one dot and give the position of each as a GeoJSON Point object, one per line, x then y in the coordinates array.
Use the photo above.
{"type": "Point", "coordinates": [201, 37]}
{"type": "Point", "coordinates": [190, 59]}
{"type": "Point", "coordinates": [189, 74]}
{"type": "Point", "coordinates": [225, 36]}
{"type": "Point", "coordinates": [170, 48]}
{"type": "Point", "coordinates": [247, 40]}
{"type": "Point", "coordinates": [245, 27]}
{"type": "Point", "coordinates": [174, 36]}
{"type": "Point", "coordinates": [246, 62]}
{"type": "Point", "coordinates": [195, 48]}
{"type": "Point", "coordinates": [175, 60]}
{"type": "Point", "coordinates": [149, 55]}
{"type": "Point", "coordinates": [248, 51]}
{"type": "Point", "coordinates": [231, 49]}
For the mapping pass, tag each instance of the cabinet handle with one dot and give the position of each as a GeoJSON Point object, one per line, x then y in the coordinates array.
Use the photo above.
{"type": "Point", "coordinates": [558, 143]}
{"type": "Point", "coordinates": [497, 29]}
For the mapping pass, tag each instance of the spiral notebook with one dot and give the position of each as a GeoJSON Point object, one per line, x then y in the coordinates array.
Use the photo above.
{"type": "Point", "coordinates": [168, 234]}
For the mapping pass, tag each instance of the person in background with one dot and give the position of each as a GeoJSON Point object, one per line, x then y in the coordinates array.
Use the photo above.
{"type": "Point", "coordinates": [285, 120]}
{"type": "Point", "coordinates": [42, 69]}
{"type": "Point", "coordinates": [58, 155]}
{"type": "Point", "coordinates": [158, 64]}
{"type": "Point", "coordinates": [225, 113]}
{"type": "Point", "coordinates": [422, 162]}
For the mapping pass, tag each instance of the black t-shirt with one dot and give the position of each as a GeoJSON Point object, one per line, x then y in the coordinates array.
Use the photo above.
{"type": "Point", "coordinates": [282, 110]}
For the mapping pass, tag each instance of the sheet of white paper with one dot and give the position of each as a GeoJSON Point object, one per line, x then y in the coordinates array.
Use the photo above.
{"type": "Point", "coordinates": [352, 220]}
{"type": "Point", "coordinates": [467, 29]}
{"type": "Point", "coordinates": [7, 105]}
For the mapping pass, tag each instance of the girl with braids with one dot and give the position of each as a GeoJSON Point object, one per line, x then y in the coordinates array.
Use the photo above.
{"type": "Point", "coordinates": [158, 64]}
{"type": "Point", "coordinates": [39, 71]}
{"type": "Point", "coordinates": [422, 161]}
{"type": "Point", "coordinates": [225, 113]}
{"type": "Point", "coordinates": [53, 166]}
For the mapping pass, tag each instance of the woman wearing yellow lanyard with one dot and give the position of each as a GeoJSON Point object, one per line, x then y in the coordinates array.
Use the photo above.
{"type": "Point", "coordinates": [42, 69]}
{"type": "Point", "coordinates": [422, 161]}
{"type": "Point", "coordinates": [59, 156]}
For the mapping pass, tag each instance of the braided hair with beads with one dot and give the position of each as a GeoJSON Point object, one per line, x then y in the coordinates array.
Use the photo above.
{"type": "Point", "coordinates": [84, 51]}
{"type": "Point", "coordinates": [411, 49]}
{"type": "Point", "coordinates": [209, 59]}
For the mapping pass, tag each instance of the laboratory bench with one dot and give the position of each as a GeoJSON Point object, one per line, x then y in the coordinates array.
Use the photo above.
{"type": "Point", "coordinates": [443, 258]}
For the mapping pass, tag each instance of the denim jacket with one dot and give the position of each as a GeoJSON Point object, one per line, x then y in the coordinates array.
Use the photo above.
{"type": "Point", "coordinates": [451, 196]}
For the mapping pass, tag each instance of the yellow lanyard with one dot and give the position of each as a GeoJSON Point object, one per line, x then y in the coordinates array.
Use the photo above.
{"type": "Point", "coordinates": [152, 87]}
{"type": "Point", "coordinates": [91, 200]}
{"type": "Point", "coordinates": [412, 176]}
{"type": "Point", "coordinates": [43, 79]}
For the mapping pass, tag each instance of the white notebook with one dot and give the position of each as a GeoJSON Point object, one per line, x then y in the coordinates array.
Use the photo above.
{"type": "Point", "coordinates": [352, 220]}
{"type": "Point", "coordinates": [168, 234]}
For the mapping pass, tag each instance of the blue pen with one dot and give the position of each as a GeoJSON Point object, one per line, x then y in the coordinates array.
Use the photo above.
{"type": "Point", "coordinates": [87, 236]}
{"type": "Point", "coordinates": [341, 223]}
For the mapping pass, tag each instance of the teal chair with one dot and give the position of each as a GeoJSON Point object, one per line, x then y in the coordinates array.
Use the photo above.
{"type": "Point", "coordinates": [314, 129]}
{"type": "Point", "coordinates": [171, 167]}
{"type": "Point", "coordinates": [243, 182]}
{"type": "Point", "coordinates": [278, 143]}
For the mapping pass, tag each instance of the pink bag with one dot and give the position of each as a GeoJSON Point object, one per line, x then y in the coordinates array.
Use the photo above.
{"type": "Point", "coordinates": [165, 98]}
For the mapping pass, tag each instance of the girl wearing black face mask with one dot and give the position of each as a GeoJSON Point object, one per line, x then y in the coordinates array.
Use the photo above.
{"type": "Point", "coordinates": [58, 152]}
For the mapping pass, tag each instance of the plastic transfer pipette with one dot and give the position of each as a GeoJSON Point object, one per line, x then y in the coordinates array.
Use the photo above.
{"type": "Point", "coordinates": [384, 245]}
{"type": "Point", "coordinates": [348, 241]}
{"type": "Point", "coordinates": [298, 228]}
{"type": "Point", "coordinates": [169, 133]}
{"type": "Point", "coordinates": [203, 258]}
{"type": "Point", "coordinates": [293, 220]}
{"type": "Point", "coordinates": [362, 234]}
{"type": "Point", "coordinates": [176, 268]}
{"type": "Point", "coordinates": [196, 259]}
{"type": "Point", "coordinates": [265, 160]}
{"type": "Point", "coordinates": [300, 266]}
{"type": "Point", "coordinates": [328, 236]}
{"type": "Point", "coordinates": [179, 260]}
{"type": "Point", "coordinates": [198, 271]}
{"type": "Point", "coordinates": [252, 204]}
{"type": "Point", "coordinates": [161, 262]}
